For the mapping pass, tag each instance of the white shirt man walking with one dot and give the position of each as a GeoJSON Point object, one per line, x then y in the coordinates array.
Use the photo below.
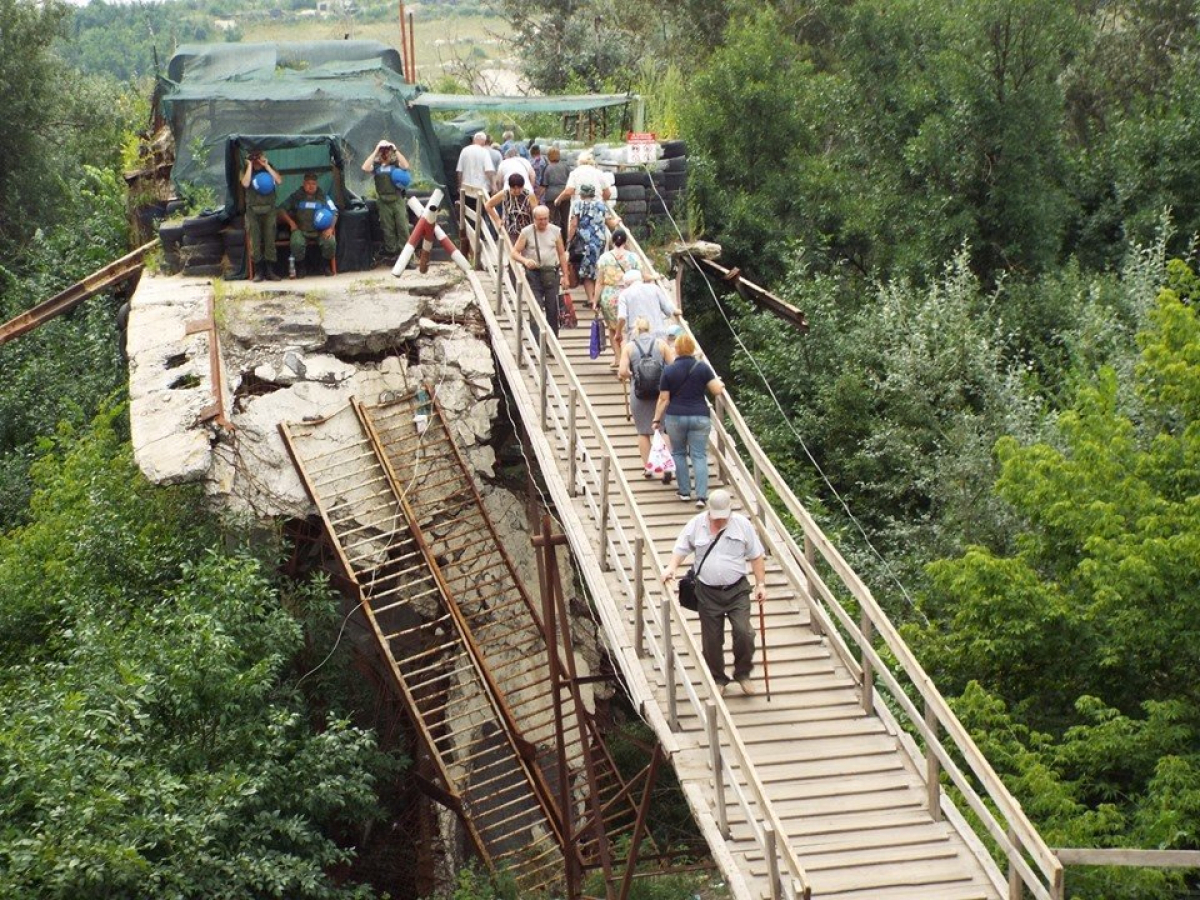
{"type": "Point", "coordinates": [475, 166]}
{"type": "Point", "coordinates": [642, 300]}
{"type": "Point", "coordinates": [725, 541]}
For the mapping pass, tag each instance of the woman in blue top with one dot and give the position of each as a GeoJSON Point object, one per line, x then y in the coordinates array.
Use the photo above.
{"type": "Point", "coordinates": [683, 410]}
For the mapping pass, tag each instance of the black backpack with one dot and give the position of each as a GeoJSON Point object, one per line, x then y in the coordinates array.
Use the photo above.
{"type": "Point", "coordinates": [647, 372]}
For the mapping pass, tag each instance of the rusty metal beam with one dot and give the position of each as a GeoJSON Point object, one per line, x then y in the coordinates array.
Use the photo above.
{"type": "Point", "coordinates": [102, 279]}
{"type": "Point", "coordinates": [215, 411]}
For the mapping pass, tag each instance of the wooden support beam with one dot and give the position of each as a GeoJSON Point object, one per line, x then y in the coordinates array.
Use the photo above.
{"type": "Point", "coordinates": [754, 292]}
{"type": "Point", "coordinates": [1153, 859]}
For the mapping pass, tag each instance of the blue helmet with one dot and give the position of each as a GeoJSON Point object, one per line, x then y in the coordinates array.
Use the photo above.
{"type": "Point", "coordinates": [401, 178]}
{"type": "Point", "coordinates": [322, 218]}
{"type": "Point", "coordinates": [263, 182]}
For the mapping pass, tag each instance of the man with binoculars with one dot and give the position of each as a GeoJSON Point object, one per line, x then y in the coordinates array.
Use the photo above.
{"type": "Point", "coordinates": [392, 178]}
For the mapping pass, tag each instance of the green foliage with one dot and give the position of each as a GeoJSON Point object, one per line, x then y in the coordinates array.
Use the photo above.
{"type": "Point", "coordinates": [27, 71]}
{"type": "Point", "coordinates": [474, 884]}
{"type": "Point", "coordinates": [150, 744]}
{"type": "Point", "coordinates": [64, 370]}
{"type": "Point", "coordinates": [1085, 629]}
{"type": "Point", "coordinates": [682, 886]}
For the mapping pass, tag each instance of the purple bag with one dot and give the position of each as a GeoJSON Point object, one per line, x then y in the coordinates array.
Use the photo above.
{"type": "Point", "coordinates": [597, 342]}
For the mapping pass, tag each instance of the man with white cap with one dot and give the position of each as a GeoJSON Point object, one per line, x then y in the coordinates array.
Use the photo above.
{"type": "Point", "coordinates": [475, 167]}
{"type": "Point", "coordinates": [640, 299]}
{"type": "Point", "coordinates": [723, 542]}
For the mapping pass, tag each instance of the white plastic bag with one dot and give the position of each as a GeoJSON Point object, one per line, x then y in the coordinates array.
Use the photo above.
{"type": "Point", "coordinates": [660, 461]}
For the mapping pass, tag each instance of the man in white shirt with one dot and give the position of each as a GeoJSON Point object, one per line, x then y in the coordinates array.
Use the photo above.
{"type": "Point", "coordinates": [475, 167]}
{"type": "Point", "coordinates": [585, 173]}
{"type": "Point", "coordinates": [723, 542]}
{"type": "Point", "coordinates": [513, 163]}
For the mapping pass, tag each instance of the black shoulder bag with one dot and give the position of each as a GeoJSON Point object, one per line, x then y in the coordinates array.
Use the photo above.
{"type": "Point", "coordinates": [687, 584]}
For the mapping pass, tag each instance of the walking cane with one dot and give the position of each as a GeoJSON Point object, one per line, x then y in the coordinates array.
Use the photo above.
{"type": "Point", "coordinates": [762, 630]}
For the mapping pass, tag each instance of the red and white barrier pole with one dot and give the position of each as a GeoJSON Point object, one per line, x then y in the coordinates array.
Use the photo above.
{"type": "Point", "coordinates": [424, 234]}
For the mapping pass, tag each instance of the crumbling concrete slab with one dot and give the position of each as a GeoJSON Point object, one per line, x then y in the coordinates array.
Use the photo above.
{"type": "Point", "coordinates": [290, 351]}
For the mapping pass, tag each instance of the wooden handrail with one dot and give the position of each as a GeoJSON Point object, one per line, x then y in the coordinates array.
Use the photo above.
{"type": "Point", "coordinates": [1030, 841]}
{"type": "Point", "coordinates": [796, 884]}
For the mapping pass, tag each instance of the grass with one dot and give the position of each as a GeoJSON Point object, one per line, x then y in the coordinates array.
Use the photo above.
{"type": "Point", "coordinates": [438, 40]}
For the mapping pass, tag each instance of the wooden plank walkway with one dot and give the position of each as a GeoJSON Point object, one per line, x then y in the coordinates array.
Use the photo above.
{"type": "Point", "coordinates": [851, 798]}
{"type": "Point", "coordinates": [832, 787]}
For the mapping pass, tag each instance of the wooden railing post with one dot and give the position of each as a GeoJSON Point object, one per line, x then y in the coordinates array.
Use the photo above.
{"type": "Point", "coordinates": [476, 254]}
{"type": "Point", "coordinates": [722, 469]}
{"type": "Point", "coordinates": [572, 442]}
{"type": "Point", "coordinates": [933, 767]}
{"type": "Point", "coordinates": [810, 556]}
{"type": "Point", "coordinates": [1016, 890]}
{"type": "Point", "coordinates": [714, 749]}
{"type": "Point", "coordinates": [542, 372]}
{"type": "Point", "coordinates": [639, 596]}
{"type": "Point", "coordinates": [769, 850]}
{"type": "Point", "coordinates": [462, 217]}
{"type": "Point", "coordinates": [604, 464]}
{"type": "Point", "coordinates": [520, 320]}
{"type": "Point", "coordinates": [868, 670]}
{"type": "Point", "coordinates": [499, 263]}
{"type": "Point", "coordinates": [668, 649]}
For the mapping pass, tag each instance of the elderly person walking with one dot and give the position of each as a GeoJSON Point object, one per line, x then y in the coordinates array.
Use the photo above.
{"type": "Point", "coordinates": [587, 221]}
{"type": "Point", "coordinates": [539, 248]}
{"type": "Point", "coordinates": [611, 268]}
{"type": "Point", "coordinates": [643, 299]}
{"type": "Point", "coordinates": [516, 207]}
{"type": "Point", "coordinates": [554, 181]}
{"type": "Point", "coordinates": [644, 345]}
{"type": "Point", "coordinates": [584, 174]}
{"type": "Point", "coordinates": [723, 542]}
{"type": "Point", "coordinates": [475, 167]}
{"type": "Point", "coordinates": [682, 410]}
{"type": "Point", "coordinates": [515, 163]}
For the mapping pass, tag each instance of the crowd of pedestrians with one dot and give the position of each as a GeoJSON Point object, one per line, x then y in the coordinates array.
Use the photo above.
{"type": "Point", "coordinates": [561, 222]}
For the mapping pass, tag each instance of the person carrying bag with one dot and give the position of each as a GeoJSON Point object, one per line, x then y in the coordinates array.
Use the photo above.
{"type": "Point", "coordinates": [687, 584]}
{"type": "Point", "coordinates": [730, 542]}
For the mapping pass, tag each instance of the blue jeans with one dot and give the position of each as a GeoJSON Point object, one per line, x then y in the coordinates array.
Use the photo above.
{"type": "Point", "coordinates": [689, 438]}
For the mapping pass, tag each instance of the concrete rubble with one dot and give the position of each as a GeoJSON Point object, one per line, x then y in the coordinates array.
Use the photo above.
{"type": "Point", "coordinates": [290, 351]}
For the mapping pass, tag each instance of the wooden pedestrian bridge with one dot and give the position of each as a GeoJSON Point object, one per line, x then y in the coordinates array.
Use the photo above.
{"type": "Point", "coordinates": [852, 780]}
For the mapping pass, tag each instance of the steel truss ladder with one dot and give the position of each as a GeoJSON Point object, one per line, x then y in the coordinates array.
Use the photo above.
{"type": "Point", "coordinates": [462, 639]}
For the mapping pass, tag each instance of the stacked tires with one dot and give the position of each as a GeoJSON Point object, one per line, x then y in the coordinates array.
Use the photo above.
{"type": "Point", "coordinates": [204, 246]}
{"type": "Point", "coordinates": [647, 200]}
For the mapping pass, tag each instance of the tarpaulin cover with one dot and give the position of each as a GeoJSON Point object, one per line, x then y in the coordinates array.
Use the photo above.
{"type": "Point", "coordinates": [352, 90]}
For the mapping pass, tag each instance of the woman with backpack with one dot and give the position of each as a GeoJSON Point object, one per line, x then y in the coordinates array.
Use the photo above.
{"type": "Point", "coordinates": [682, 409]}
{"type": "Point", "coordinates": [643, 359]}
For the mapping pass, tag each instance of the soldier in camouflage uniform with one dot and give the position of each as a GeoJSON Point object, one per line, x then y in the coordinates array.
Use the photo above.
{"type": "Point", "coordinates": [299, 210]}
{"type": "Point", "coordinates": [393, 214]}
{"type": "Point", "coordinates": [260, 215]}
